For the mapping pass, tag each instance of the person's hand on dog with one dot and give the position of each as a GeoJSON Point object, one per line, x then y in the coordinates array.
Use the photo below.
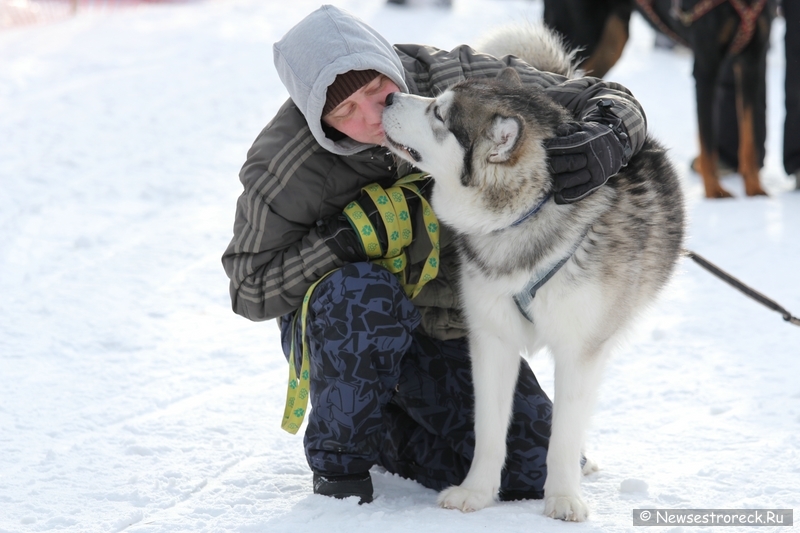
{"type": "Point", "coordinates": [583, 155]}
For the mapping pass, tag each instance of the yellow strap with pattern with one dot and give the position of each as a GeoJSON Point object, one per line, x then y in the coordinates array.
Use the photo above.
{"type": "Point", "coordinates": [393, 210]}
{"type": "Point", "coordinates": [299, 382]}
{"type": "Point", "coordinates": [431, 268]}
{"type": "Point", "coordinates": [365, 229]}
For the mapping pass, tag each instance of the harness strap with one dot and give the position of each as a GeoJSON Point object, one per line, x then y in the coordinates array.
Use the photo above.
{"type": "Point", "coordinates": [647, 8]}
{"type": "Point", "coordinates": [524, 297]}
{"type": "Point", "coordinates": [700, 9]}
{"type": "Point", "coordinates": [533, 211]}
{"type": "Point", "coordinates": [747, 13]}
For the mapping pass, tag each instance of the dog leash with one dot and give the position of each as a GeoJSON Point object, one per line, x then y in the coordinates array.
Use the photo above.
{"type": "Point", "coordinates": [394, 213]}
{"type": "Point", "coordinates": [752, 293]}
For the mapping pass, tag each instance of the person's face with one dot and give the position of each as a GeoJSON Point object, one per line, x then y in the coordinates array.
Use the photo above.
{"type": "Point", "coordinates": [359, 115]}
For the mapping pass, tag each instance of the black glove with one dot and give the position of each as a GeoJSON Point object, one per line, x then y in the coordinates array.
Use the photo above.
{"type": "Point", "coordinates": [338, 233]}
{"type": "Point", "coordinates": [341, 238]}
{"type": "Point", "coordinates": [583, 155]}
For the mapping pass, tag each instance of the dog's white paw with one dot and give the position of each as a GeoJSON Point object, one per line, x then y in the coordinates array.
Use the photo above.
{"type": "Point", "coordinates": [466, 500]}
{"type": "Point", "coordinates": [590, 467]}
{"type": "Point", "coordinates": [566, 507]}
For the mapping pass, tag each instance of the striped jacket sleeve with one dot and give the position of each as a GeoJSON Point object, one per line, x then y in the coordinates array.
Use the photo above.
{"type": "Point", "coordinates": [582, 95]}
{"type": "Point", "coordinates": [276, 252]}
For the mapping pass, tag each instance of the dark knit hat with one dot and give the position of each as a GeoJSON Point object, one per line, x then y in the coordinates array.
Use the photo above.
{"type": "Point", "coordinates": [344, 85]}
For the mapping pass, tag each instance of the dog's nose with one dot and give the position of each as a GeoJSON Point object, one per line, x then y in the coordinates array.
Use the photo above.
{"type": "Point", "coordinates": [389, 99]}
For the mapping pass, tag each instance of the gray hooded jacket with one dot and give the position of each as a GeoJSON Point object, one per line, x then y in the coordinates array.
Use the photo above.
{"type": "Point", "coordinates": [298, 172]}
{"type": "Point", "coordinates": [325, 44]}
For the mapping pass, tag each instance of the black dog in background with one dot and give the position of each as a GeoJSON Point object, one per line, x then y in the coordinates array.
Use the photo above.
{"type": "Point", "coordinates": [732, 35]}
{"type": "Point", "coordinates": [599, 28]}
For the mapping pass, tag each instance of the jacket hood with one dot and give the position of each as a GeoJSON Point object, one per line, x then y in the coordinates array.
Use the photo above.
{"type": "Point", "coordinates": [329, 42]}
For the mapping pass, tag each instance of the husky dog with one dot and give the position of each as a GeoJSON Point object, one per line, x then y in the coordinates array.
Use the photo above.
{"type": "Point", "coordinates": [604, 259]}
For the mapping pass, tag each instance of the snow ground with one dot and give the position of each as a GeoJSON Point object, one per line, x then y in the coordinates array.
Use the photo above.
{"type": "Point", "coordinates": [132, 398]}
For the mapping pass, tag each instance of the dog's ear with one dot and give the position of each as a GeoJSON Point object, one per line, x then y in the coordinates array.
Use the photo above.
{"type": "Point", "coordinates": [509, 76]}
{"type": "Point", "coordinates": [505, 134]}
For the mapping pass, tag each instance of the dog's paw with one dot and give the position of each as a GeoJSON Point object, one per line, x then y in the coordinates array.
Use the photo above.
{"type": "Point", "coordinates": [589, 467]}
{"type": "Point", "coordinates": [466, 500]}
{"type": "Point", "coordinates": [570, 508]}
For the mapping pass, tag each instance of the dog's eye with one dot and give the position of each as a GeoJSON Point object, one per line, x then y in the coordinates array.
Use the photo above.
{"type": "Point", "coordinates": [437, 114]}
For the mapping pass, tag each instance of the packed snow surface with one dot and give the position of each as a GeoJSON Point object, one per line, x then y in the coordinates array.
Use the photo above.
{"type": "Point", "coordinates": [132, 398]}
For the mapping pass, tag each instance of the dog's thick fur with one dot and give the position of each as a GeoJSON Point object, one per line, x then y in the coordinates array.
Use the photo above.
{"type": "Point", "coordinates": [482, 141]}
{"type": "Point", "coordinates": [600, 27]}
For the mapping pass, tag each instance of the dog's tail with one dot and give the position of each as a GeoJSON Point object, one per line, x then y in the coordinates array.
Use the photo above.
{"type": "Point", "coordinates": [534, 43]}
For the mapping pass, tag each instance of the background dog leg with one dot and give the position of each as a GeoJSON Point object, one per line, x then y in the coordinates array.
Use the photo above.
{"type": "Point", "coordinates": [706, 70]}
{"type": "Point", "coordinates": [609, 49]}
{"type": "Point", "coordinates": [577, 378]}
{"type": "Point", "coordinates": [495, 368]}
{"type": "Point", "coordinates": [707, 163]}
{"type": "Point", "coordinates": [746, 85]}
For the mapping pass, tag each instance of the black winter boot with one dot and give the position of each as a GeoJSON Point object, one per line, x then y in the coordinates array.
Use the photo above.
{"type": "Point", "coordinates": [345, 486]}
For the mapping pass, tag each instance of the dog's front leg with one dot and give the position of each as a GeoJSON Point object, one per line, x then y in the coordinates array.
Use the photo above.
{"type": "Point", "coordinates": [495, 368]}
{"type": "Point", "coordinates": [577, 379]}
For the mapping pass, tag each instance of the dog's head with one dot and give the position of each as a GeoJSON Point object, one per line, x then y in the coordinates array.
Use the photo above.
{"type": "Point", "coordinates": [481, 140]}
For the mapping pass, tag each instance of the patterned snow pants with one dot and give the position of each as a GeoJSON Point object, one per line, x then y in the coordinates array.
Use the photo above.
{"type": "Point", "coordinates": [384, 393]}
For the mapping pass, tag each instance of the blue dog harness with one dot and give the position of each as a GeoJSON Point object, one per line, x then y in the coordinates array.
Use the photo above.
{"type": "Point", "coordinates": [524, 297]}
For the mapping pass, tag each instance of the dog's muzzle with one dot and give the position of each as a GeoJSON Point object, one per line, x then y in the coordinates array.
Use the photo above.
{"type": "Point", "coordinates": [413, 154]}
